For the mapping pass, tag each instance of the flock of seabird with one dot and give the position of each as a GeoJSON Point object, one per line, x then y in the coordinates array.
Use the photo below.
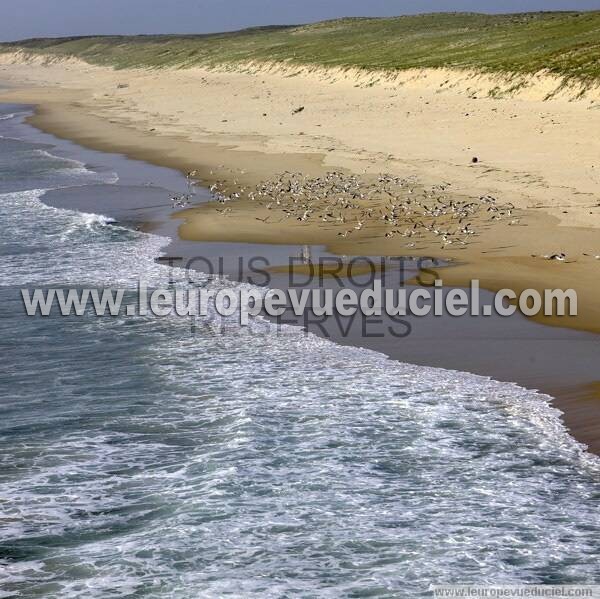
{"type": "Point", "coordinates": [389, 206]}
{"type": "Point", "coordinates": [183, 200]}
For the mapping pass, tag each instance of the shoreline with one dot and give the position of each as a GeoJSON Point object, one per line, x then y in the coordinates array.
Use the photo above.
{"type": "Point", "coordinates": [92, 131]}
{"type": "Point", "coordinates": [509, 257]}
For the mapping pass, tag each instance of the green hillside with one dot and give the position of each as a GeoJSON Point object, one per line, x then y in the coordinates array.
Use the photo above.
{"type": "Point", "coordinates": [565, 43]}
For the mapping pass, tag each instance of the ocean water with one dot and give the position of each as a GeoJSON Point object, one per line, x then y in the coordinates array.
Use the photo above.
{"type": "Point", "coordinates": [139, 459]}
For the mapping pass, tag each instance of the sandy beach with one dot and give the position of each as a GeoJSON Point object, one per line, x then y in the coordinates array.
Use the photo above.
{"type": "Point", "coordinates": [542, 156]}
{"type": "Point", "coordinates": [300, 299]}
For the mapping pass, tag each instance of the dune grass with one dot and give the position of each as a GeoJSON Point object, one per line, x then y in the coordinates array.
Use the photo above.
{"type": "Point", "coordinates": [564, 43]}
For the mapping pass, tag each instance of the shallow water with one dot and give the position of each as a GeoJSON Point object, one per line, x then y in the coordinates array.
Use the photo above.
{"type": "Point", "coordinates": [141, 459]}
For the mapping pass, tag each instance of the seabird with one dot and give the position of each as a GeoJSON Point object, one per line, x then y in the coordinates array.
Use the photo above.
{"type": "Point", "coordinates": [561, 257]}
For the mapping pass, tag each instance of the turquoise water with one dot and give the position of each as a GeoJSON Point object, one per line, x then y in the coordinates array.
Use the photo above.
{"type": "Point", "coordinates": [139, 459]}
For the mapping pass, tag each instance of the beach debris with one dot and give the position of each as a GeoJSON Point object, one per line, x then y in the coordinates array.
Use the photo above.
{"type": "Point", "coordinates": [298, 110]}
{"type": "Point", "coordinates": [474, 160]}
{"type": "Point", "coordinates": [122, 85]}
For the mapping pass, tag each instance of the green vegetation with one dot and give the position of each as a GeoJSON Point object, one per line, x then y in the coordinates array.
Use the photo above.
{"type": "Point", "coordinates": [564, 43]}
